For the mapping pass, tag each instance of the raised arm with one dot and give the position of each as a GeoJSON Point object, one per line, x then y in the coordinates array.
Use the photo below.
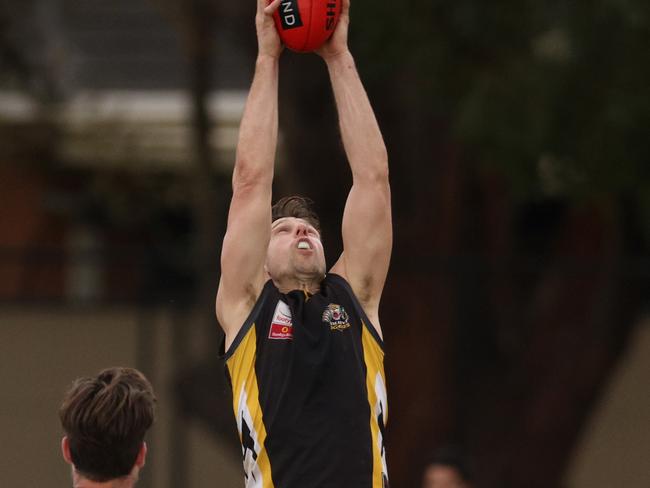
{"type": "Point", "coordinates": [249, 219]}
{"type": "Point", "coordinates": [367, 227]}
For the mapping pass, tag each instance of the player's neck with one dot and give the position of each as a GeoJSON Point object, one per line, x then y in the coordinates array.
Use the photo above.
{"type": "Point", "coordinates": [308, 284]}
{"type": "Point", "coordinates": [79, 481]}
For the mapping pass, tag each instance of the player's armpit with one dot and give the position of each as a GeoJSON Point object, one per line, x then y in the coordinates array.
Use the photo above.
{"type": "Point", "coordinates": [367, 240]}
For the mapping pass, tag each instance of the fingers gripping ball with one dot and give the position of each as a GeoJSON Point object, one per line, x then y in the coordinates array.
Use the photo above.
{"type": "Point", "coordinates": [304, 25]}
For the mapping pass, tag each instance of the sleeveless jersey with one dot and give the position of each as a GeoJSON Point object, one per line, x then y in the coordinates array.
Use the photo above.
{"type": "Point", "coordinates": [309, 392]}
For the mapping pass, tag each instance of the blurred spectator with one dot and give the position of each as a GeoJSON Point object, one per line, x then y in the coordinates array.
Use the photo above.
{"type": "Point", "coordinates": [105, 419]}
{"type": "Point", "coordinates": [447, 468]}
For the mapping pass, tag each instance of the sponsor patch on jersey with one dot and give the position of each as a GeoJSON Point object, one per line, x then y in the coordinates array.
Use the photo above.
{"type": "Point", "coordinates": [336, 316]}
{"type": "Point", "coordinates": [281, 325]}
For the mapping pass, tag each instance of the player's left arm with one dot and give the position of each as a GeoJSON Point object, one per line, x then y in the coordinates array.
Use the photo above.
{"type": "Point", "coordinates": [367, 226]}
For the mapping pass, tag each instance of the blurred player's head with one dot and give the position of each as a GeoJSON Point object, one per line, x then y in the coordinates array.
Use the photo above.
{"type": "Point", "coordinates": [295, 248]}
{"type": "Point", "coordinates": [447, 468]}
{"type": "Point", "coordinates": [105, 419]}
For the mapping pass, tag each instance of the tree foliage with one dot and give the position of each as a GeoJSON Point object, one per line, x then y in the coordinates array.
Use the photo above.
{"type": "Point", "coordinates": [556, 94]}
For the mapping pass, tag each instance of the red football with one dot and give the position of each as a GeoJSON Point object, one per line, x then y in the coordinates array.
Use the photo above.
{"type": "Point", "coordinates": [304, 25]}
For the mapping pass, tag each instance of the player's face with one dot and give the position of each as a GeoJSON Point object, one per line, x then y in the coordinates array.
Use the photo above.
{"type": "Point", "coordinates": [439, 476]}
{"type": "Point", "coordinates": [295, 250]}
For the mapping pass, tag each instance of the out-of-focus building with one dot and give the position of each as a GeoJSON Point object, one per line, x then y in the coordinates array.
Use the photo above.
{"type": "Point", "coordinates": [97, 151]}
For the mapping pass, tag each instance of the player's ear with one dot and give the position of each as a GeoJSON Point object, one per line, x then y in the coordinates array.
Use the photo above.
{"type": "Point", "coordinates": [65, 449]}
{"type": "Point", "coordinates": [142, 455]}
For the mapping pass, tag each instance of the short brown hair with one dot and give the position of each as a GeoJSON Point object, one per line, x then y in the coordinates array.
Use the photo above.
{"type": "Point", "coordinates": [298, 207]}
{"type": "Point", "coordinates": [105, 419]}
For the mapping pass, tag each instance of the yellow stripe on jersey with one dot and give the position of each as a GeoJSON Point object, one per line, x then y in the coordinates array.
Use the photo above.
{"type": "Point", "coordinates": [376, 385]}
{"type": "Point", "coordinates": [241, 366]}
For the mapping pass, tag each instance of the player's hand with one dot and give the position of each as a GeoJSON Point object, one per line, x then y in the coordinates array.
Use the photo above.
{"type": "Point", "coordinates": [268, 40]}
{"type": "Point", "coordinates": [338, 43]}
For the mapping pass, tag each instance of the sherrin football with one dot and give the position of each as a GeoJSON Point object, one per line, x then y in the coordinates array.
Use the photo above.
{"type": "Point", "coordinates": [304, 25]}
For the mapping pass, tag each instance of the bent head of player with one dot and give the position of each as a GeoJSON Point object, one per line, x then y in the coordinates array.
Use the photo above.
{"type": "Point", "coordinates": [105, 419]}
{"type": "Point", "coordinates": [295, 254]}
{"type": "Point", "coordinates": [447, 468]}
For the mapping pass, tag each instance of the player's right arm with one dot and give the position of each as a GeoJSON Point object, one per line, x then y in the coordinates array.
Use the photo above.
{"type": "Point", "coordinates": [249, 219]}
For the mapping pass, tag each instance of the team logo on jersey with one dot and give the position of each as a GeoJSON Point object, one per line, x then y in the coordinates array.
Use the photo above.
{"type": "Point", "coordinates": [336, 316]}
{"type": "Point", "coordinates": [281, 325]}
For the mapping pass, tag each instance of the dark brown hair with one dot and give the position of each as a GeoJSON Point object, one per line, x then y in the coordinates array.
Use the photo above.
{"type": "Point", "coordinates": [105, 418]}
{"type": "Point", "coordinates": [298, 207]}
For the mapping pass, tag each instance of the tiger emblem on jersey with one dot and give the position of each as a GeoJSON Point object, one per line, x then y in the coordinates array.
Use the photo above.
{"type": "Point", "coordinates": [336, 316]}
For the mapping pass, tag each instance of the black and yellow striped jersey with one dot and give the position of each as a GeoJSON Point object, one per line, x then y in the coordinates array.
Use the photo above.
{"type": "Point", "coordinates": [309, 391]}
